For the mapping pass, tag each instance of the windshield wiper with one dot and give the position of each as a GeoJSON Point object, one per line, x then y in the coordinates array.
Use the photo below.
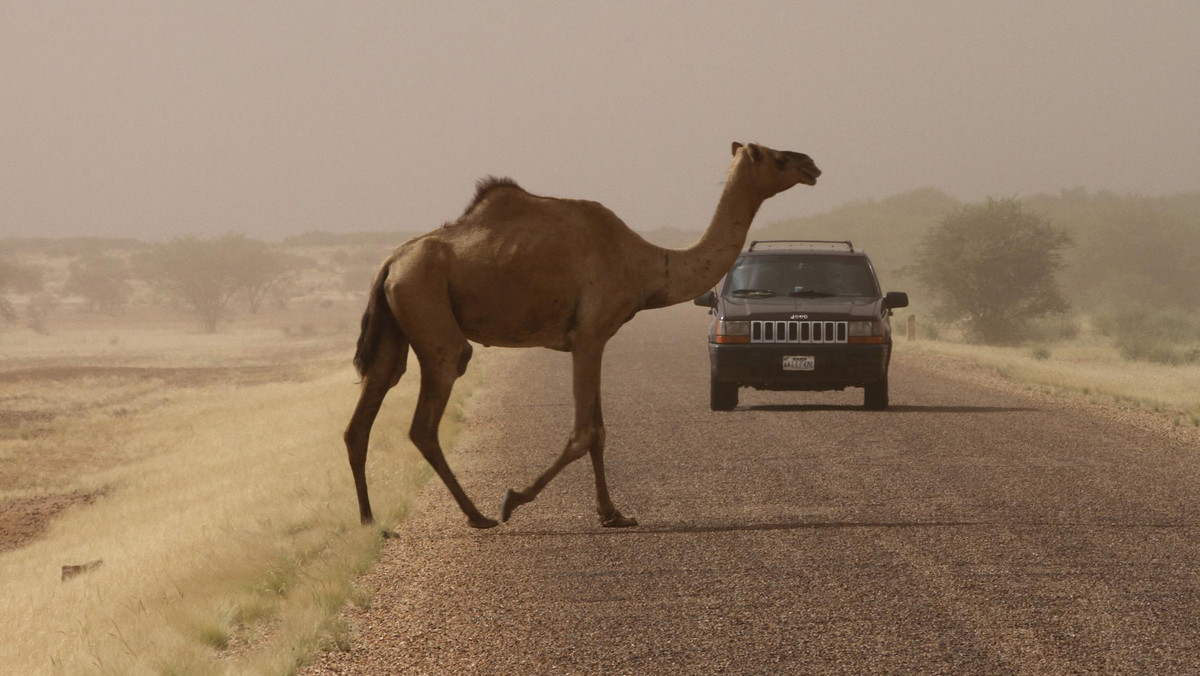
{"type": "Point", "coordinates": [753, 292]}
{"type": "Point", "coordinates": [812, 293]}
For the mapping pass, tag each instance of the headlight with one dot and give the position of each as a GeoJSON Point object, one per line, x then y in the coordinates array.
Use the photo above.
{"type": "Point", "coordinates": [733, 332]}
{"type": "Point", "coordinates": [862, 329]}
{"type": "Point", "coordinates": [865, 332]}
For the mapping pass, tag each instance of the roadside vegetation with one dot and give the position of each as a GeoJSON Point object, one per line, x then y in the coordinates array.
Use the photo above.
{"type": "Point", "coordinates": [205, 470]}
{"type": "Point", "coordinates": [230, 537]}
{"type": "Point", "coordinates": [1089, 366]}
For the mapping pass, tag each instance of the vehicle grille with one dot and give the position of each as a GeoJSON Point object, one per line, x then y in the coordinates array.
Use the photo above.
{"type": "Point", "coordinates": [797, 332]}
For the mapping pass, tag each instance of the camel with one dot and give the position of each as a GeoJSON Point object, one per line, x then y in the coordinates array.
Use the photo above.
{"type": "Point", "coordinates": [522, 270]}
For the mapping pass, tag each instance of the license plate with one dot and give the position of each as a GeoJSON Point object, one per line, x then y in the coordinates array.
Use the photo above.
{"type": "Point", "coordinates": [799, 363]}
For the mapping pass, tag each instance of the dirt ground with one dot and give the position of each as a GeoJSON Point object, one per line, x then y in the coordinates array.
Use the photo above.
{"type": "Point", "coordinates": [22, 520]}
{"type": "Point", "coordinates": [43, 406]}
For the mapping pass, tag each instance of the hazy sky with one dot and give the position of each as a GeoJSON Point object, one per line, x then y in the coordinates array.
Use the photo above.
{"type": "Point", "coordinates": [151, 119]}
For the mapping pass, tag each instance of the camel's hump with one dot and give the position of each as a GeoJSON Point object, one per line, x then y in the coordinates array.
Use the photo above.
{"type": "Point", "coordinates": [486, 185]}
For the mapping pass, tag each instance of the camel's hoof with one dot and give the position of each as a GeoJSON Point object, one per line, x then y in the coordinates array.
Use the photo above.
{"type": "Point", "coordinates": [618, 520]}
{"type": "Point", "coordinates": [511, 501]}
{"type": "Point", "coordinates": [483, 522]}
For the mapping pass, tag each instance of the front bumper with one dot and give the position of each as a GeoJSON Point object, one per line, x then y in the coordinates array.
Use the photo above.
{"type": "Point", "coordinates": [837, 366]}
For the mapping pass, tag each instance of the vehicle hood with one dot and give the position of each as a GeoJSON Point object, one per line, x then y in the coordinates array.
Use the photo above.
{"type": "Point", "coordinates": [784, 308]}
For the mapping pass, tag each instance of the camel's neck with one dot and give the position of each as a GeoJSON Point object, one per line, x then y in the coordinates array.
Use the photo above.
{"type": "Point", "coordinates": [692, 271]}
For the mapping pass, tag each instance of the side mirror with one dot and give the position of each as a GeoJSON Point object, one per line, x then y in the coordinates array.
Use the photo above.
{"type": "Point", "coordinates": [895, 299]}
{"type": "Point", "coordinates": [706, 299]}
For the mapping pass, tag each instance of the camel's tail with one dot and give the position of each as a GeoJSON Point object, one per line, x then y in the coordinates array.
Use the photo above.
{"type": "Point", "coordinates": [377, 319]}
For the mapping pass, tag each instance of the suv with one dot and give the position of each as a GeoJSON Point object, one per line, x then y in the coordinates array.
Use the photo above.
{"type": "Point", "coordinates": [800, 315]}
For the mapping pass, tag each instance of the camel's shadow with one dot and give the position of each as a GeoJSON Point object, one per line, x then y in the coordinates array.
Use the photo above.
{"type": "Point", "coordinates": [692, 529]}
{"type": "Point", "coordinates": [806, 408]}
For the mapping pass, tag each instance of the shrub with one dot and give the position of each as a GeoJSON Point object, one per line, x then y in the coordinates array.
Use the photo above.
{"type": "Point", "coordinates": [1160, 337]}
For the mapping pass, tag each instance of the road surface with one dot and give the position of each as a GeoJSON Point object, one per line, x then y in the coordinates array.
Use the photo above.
{"type": "Point", "coordinates": [970, 529]}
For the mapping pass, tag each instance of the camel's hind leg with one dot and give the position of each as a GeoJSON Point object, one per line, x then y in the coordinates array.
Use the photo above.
{"type": "Point", "coordinates": [389, 364]}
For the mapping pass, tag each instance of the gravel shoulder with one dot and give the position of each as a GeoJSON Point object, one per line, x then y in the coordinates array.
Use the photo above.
{"type": "Point", "coordinates": [972, 528]}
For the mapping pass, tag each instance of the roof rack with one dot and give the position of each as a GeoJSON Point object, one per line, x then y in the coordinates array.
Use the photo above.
{"type": "Point", "coordinates": [800, 243]}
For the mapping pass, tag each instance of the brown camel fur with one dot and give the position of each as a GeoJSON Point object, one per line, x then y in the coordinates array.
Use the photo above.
{"type": "Point", "coordinates": [520, 270]}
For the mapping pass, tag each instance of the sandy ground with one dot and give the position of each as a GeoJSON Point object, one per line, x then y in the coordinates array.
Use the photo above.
{"type": "Point", "coordinates": [973, 528]}
{"type": "Point", "coordinates": [36, 482]}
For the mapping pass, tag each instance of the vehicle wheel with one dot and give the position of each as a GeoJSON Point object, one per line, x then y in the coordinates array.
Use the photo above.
{"type": "Point", "coordinates": [875, 395]}
{"type": "Point", "coordinates": [722, 396]}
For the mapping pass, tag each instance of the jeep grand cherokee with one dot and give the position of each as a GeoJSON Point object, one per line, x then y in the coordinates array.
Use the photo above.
{"type": "Point", "coordinates": [800, 315]}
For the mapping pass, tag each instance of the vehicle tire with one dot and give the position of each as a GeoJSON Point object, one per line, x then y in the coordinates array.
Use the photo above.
{"type": "Point", "coordinates": [875, 395]}
{"type": "Point", "coordinates": [722, 396]}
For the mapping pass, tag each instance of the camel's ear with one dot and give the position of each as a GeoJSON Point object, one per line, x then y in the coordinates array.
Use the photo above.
{"type": "Point", "coordinates": [755, 151]}
{"type": "Point", "coordinates": [736, 145]}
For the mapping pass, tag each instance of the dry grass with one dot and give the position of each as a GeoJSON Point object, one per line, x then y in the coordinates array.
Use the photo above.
{"type": "Point", "coordinates": [229, 529]}
{"type": "Point", "coordinates": [1089, 366]}
{"type": "Point", "coordinates": [54, 390]}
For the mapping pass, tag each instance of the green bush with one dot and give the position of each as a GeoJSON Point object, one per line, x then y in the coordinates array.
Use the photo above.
{"type": "Point", "coordinates": [1160, 337]}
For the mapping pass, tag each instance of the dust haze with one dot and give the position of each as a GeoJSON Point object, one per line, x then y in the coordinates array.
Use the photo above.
{"type": "Point", "coordinates": [194, 198]}
{"type": "Point", "coordinates": [152, 120]}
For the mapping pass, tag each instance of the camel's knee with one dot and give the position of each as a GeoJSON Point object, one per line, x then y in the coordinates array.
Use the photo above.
{"type": "Point", "coordinates": [582, 442]}
{"type": "Point", "coordinates": [425, 439]}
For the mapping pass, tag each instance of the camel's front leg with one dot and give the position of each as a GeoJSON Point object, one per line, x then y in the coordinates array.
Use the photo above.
{"type": "Point", "coordinates": [586, 436]}
{"type": "Point", "coordinates": [578, 446]}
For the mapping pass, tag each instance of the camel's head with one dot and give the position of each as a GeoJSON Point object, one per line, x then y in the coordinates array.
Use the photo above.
{"type": "Point", "coordinates": [777, 170]}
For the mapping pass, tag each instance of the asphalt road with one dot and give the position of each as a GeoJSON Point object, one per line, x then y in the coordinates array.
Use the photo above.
{"type": "Point", "coordinates": [967, 530]}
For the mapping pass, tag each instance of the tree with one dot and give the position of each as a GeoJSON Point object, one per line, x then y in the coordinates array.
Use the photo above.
{"type": "Point", "coordinates": [261, 269]}
{"type": "Point", "coordinates": [993, 266]}
{"type": "Point", "coordinates": [102, 281]}
{"type": "Point", "coordinates": [37, 311]}
{"type": "Point", "coordinates": [206, 273]}
{"type": "Point", "coordinates": [19, 278]}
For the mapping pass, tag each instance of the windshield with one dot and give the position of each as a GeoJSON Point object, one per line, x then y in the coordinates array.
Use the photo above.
{"type": "Point", "coordinates": [800, 276]}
